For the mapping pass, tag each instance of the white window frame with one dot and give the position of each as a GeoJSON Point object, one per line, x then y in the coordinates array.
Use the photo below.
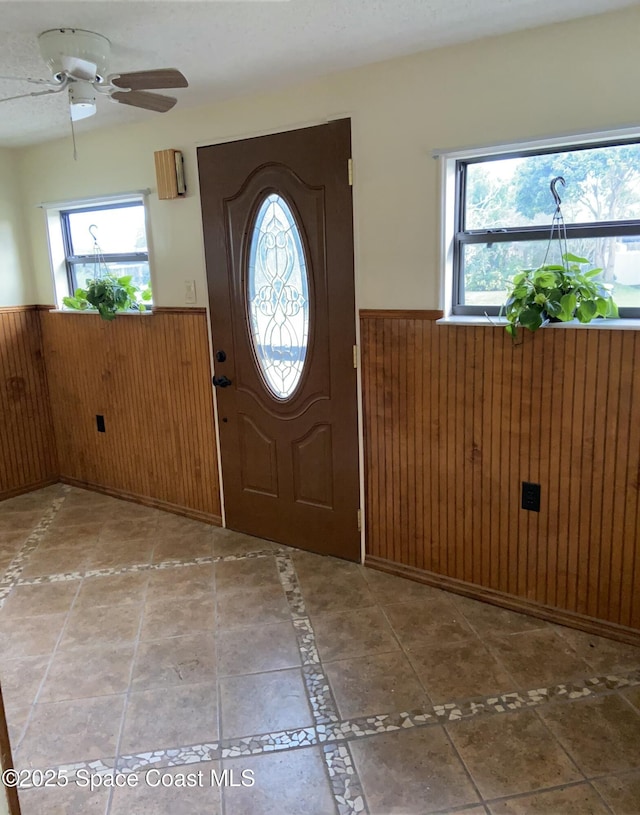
{"type": "Point", "coordinates": [448, 160]}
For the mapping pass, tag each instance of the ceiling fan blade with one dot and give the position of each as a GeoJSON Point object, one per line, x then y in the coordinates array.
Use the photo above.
{"type": "Point", "coordinates": [148, 101]}
{"type": "Point", "coordinates": [79, 68]}
{"type": "Point", "coordinates": [27, 79]}
{"type": "Point", "coordinates": [150, 80]}
{"type": "Point", "coordinates": [34, 93]}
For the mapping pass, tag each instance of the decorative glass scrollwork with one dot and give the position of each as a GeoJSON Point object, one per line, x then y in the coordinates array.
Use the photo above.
{"type": "Point", "coordinates": [278, 296]}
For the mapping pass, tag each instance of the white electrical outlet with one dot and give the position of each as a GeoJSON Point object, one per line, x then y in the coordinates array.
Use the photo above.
{"type": "Point", "coordinates": [190, 292]}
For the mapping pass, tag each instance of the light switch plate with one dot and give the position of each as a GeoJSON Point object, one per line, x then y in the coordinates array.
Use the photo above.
{"type": "Point", "coordinates": [190, 292]}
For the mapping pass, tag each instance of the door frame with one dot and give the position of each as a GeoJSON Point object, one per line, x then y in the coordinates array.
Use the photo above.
{"type": "Point", "coordinates": [287, 128]}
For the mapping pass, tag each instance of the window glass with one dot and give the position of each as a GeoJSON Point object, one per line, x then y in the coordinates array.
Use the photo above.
{"type": "Point", "coordinates": [139, 272]}
{"type": "Point", "coordinates": [487, 267]}
{"type": "Point", "coordinates": [503, 214]}
{"type": "Point", "coordinates": [278, 294]}
{"type": "Point", "coordinates": [105, 240]}
{"type": "Point", "coordinates": [602, 184]}
{"type": "Point", "coordinates": [119, 230]}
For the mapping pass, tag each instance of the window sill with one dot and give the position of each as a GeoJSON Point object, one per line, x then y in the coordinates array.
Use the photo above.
{"type": "Point", "coordinates": [628, 324]}
{"type": "Point", "coordinates": [96, 314]}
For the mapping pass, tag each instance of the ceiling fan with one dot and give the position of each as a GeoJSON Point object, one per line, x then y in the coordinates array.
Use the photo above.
{"type": "Point", "coordinates": [78, 61]}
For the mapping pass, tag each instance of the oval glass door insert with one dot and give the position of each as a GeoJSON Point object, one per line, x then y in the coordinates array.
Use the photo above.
{"type": "Point", "coordinates": [278, 296]}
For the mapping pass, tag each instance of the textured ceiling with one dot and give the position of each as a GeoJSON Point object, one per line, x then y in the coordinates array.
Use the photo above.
{"type": "Point", "coordinates": [231, 47]}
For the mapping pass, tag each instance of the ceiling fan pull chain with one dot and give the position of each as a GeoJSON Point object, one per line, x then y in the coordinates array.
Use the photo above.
{"type": "Point", "coordinates": [73, 137]}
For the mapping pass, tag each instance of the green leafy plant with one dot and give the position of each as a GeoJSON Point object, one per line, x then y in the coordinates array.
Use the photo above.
{"type": "Point", "coordinates": [109, 295]}
{"type": "Point", "coordinates": [557, 294]}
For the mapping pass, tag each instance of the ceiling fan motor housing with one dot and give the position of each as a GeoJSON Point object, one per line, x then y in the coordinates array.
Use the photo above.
{"type": "Point", "coordinates": [59, 47]}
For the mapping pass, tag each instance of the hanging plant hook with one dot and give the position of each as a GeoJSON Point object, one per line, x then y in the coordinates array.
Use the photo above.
{"type": "Point", "coordinates": [92, 233]}
{"type": "Point", "coordinates": [554, 191]}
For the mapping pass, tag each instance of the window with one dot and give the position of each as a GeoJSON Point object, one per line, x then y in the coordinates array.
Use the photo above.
{"type": "Point", "coordinates": [503, 210]}
{"type": "Point", "coordinates": [87, 239]}
{"type": "Point", "coordinates": [120, 244]}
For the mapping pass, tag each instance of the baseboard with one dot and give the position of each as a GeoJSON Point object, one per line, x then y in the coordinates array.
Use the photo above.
{"type": "Point", "coordinates": [28, 488]}
{"type": "Point", "coordinates": [591, 625]}
{"type": "Point", "coordinates": [156, 503]}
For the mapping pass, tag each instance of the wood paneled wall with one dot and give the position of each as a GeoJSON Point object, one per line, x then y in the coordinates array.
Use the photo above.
{"type": "Point", "coordinates": [457, 417]}
{"type": "Point", "coordinates": [150, 379]}
{"type": "Point", "coordinates": [27, 447]}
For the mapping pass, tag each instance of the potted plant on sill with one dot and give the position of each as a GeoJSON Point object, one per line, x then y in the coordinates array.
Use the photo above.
{"type": "Point", "coordinates": [557, 293]}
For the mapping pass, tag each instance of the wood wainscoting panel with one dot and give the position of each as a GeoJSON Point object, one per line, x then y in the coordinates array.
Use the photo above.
{"type": "Point", "coordinates": [150, 378]}
{"type": "Point", "coordinates": [27, 445]}
{"type": "Point", "coordinates": [456, 418]}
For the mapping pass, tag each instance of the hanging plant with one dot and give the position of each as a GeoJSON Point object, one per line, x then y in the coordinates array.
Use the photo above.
{"type": "Point", "coordinates": [557, 293]}
{"type": "Point", "coordinates": [109, 295]}
{"type": "Point", "coordinates": [106, 293]}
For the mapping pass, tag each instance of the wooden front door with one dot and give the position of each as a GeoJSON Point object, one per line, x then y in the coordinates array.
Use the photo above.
{"type": "Point", "coordinates": [278, 234]}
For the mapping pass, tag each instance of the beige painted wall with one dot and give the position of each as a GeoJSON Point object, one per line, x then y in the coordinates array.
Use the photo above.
{"type": "Point", "coordinates": [565, 78]}
{"type": "Point", "coordinates": [15, 272]}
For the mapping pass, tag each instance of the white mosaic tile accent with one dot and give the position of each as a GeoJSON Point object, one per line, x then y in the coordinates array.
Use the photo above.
{"type": "Point", "coordinates": [320, 696]}
{"type": "Point", "coordinates": [319, 692]}
{"type": "Point", "coordinates": [269, 743]}
{"type": "Point", "coordinates": [170, 757]}
{"type": "Point", "coordinates": [306, 641]}
{"type": "Point", "coordinates": [350, 729]}
{"type": "Point", "coordinates": [345, 783]}
{"type": "Point", "coordinates": [289, 580]}
{"type": "Point", "coordinates": [16, 567]}
{"type": "Point", "coordinates": [138, 567]}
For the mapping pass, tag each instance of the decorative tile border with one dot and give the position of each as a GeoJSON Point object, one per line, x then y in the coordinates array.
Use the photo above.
{"type": "Point", "coordinates": [17, 565]}
{"type": "Point", "coordinates": [172, 757]}
{"type": "Point", "coordinates": [214, 751]}
{"type": "Point", "coordinates": [289, 581]}
{"type": "Point", "coordinates": [319, 693]}
{"type": "Point", "coordinates": [341, 770]}
{"type": "Point", "coordinates": [139, 567]}
{"type": "Point", "coordinates": [352, 729]}
{"type": "Point", "coordinates": [345, 783]}
{"type": "Point", "coordinates": [306, 641]}
{"type": "Point", "coordinates": [101, 766]}
{"type": "Point", "coordinates": [269, 743]}
{"type": "Point", "coordinates": [323, 705]}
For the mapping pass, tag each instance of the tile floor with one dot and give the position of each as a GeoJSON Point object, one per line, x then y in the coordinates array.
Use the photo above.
{"type": "Point", "coordinates": [180, 654]}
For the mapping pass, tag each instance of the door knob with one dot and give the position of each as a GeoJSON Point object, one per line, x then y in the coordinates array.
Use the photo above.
{"type": "Point", "coordinates": [221, 381]}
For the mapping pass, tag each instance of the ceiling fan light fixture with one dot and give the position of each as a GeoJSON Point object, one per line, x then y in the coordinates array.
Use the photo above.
{"type": "Point", "coordinates": [82, 102]}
